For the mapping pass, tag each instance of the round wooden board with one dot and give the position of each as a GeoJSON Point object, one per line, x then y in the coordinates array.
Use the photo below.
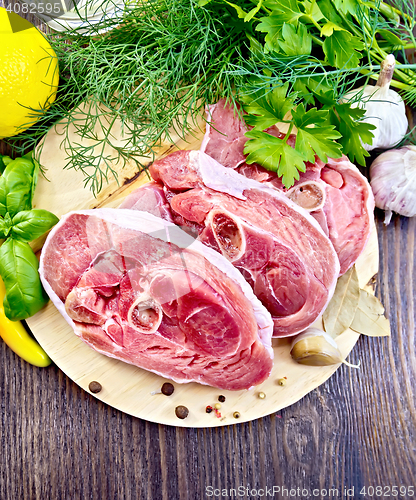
{"type": "Point", "coordinates": [131, 389]}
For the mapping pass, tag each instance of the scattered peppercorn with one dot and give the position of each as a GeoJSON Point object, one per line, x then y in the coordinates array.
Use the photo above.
{"type": "Point", "coordinates": [217, 406]}
{"type": "Point", "coordinates": [95, 387]}
{"type": "Point", "coordinates": [181, 411]}
{"type": "Point", "coordinates": [261, 395]}
{"type": "Point", "coordinates": [208, 409]}
{"type": "Point", "coordinates": [221, 399]}
{"type": "Point", "coordinates": [236, 414]}
{"type": "Point", "coordinates": [167, 389]}
{"type": "Point", "coordinates": [282, 381]}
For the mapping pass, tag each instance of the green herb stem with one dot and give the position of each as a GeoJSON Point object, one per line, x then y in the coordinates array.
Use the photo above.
{"type": "Point", "coordinates": [288, 132]}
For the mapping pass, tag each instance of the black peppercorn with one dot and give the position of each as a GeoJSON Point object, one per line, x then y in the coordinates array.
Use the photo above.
{"type": "Point", "coordinates": [221, 399]}
{"type": "Point", "coordinates": [167, 389]}
{"type": "Point", "coordinates": [95, 387]}
{"type": "Point", "coordinates": [181, 411]}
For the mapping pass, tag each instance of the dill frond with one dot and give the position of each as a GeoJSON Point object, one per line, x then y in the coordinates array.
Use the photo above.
{"type": "Point", "coordinates": [153, 65]}
{"type": "Point", "coordinates": [155, 72]}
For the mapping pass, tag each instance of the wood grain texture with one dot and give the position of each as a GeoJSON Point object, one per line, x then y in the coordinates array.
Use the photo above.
{"type": "Point", "coordinates": [358, 429]}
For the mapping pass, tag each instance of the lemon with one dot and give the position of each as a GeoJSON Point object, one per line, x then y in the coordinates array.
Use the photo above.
{"type": "Point", "coordinates": [28, 76]}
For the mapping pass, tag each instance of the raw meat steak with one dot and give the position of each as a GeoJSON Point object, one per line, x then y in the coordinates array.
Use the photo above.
{"type": "Point", "coordinates": [138, 289]}
{"type": "Point", "coordinates": [335, 193]}
{"type": "Point", "coordinates": [278, 247]}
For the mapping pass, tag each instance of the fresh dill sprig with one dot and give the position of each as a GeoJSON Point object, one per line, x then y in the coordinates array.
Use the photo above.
{"type": "Point", "coordinates": [150, 68]}
{"type": "Point", "coordinates": [151, 72]}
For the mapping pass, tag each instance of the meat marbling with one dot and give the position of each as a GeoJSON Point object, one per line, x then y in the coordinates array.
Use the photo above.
{"type": "Point", "coordinates": [335, 193]}
{"type": "Point", "coordinates": [278, 247]}
{"type": "Point", "coordinates": [139, 289]}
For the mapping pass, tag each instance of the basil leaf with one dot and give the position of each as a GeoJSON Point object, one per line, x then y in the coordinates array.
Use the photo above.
{"type": "Point", "coordinates": [19, 270]}
{"type": "Point", "coordinates": [5, 226]}
{"type": "Point", "coordinates": [30, 224]}
{"type": "Point", "coordinates": [16, 186]}
{"type": "Point", "coordinates": [4, 230]}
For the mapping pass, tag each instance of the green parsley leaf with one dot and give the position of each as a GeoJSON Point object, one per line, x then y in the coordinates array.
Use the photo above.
{"type": "Point", "coordinates": [342, 50]}
{"type": "Point", "coordinates": [284, 11]}
{"type": "Point", "coordinates": [312, 10]}
{"type": "Point", "coordinates": [306, 88]}
{"type": "Point", "coordinates": [347, 6]}
{"type": "Point", "coordinates": [295, 42]}
{"type": "Point", "coordinates": [328, 28]}
{"type": "Point", "coordinates": [266, 111]}
{"type": "Point", "coordinates": [315, 135]}
{"type": "Point", "coordinates": [275, 154]}
{"type": "Point", "coordinates": [348, 121]}
{"type": "Point", "coordinates": [256, 48]}
{"type": "Point", "coordinates": [354, 131]}
{"type": "Point", "coordinates": [272, 25]}
{"type": "Point", "coordinates": [288, 10]}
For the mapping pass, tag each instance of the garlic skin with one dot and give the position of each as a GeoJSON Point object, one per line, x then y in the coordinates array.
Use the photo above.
{"type": "Point", "coordinates": [384, 108]}
{"type": "Point", "coordinates": [393, 181]}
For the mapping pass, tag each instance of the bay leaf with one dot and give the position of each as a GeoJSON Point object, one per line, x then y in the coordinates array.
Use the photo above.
{"type": "Point", "coordinates": [369, 318]}
{"type": "Point", "coordinates": [341, 310]}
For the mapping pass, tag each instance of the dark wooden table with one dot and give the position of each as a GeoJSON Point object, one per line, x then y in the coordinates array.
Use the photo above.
{"type": "Point", "coordinates": [355, 432]}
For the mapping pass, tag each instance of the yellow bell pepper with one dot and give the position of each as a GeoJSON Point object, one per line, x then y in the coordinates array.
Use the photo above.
{"type": "Point", "coordinates": [18, 339]}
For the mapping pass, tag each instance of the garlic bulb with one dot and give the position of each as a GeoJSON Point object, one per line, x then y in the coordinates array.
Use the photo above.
{"type": "Point", "coordinates": [384, 108]}
{"type": "Point", "coordinates": [316, 348]}
{"type": "Point", "coordinates": [393, 181]}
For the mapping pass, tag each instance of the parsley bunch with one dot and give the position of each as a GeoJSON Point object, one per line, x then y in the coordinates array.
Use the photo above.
{"type": "Point", "coordinates": [310, 54]}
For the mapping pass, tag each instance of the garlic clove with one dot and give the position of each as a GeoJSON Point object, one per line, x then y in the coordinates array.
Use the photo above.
{"type": "Point", "coordinates": [314, 347]}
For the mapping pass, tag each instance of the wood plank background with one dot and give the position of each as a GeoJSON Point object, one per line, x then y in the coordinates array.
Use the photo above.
{"type": "Point", "coordinates": [356, 430]}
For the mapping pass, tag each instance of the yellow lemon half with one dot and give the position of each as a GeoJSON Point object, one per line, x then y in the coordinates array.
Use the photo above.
{"type": "Point", "coordinates": [28, 76]}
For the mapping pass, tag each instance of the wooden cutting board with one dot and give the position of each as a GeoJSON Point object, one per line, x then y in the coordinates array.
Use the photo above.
{"type": "Point", "coordinates": [131, 389]}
